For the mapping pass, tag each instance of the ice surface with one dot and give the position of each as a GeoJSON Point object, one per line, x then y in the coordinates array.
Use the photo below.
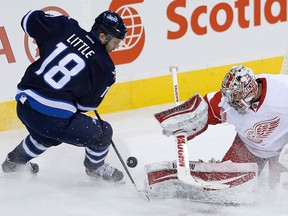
{"type": "Point", "coordinates": [63, 189]}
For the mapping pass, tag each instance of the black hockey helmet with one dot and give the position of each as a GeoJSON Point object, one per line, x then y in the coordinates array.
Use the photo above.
{"type": "Point", "coordinates": [110, 23]}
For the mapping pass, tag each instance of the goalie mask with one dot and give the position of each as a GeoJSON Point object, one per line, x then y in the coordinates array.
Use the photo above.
{"type": "Point", "coordinates": [239, 87]}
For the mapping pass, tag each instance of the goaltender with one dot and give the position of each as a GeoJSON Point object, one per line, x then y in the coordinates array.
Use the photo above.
{"type": "Point", "coordinates": [256, 106]}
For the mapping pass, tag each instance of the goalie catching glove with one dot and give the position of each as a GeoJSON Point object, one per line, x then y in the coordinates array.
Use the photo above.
{"type": "Point", "coordinates": [190, 117]}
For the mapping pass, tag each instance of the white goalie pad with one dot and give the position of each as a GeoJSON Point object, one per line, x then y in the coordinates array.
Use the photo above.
{"type": "Point", "coordinates": [162, 180]}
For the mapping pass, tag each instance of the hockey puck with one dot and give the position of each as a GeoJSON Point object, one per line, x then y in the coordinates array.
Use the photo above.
{"type": "Point", "coordinates": [132, 162]}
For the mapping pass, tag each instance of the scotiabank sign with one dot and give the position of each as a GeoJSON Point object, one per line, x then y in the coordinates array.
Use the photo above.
{"type": "Point", "coordinates": [270, 11]}
{"type": "Point", "coordinates": [196, 16]}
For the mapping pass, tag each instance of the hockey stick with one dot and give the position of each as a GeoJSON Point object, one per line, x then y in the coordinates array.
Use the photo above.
{"type": "Point", "coordinates": [122, 161]}
{"type": "Point", "coordinates": [183, 169]}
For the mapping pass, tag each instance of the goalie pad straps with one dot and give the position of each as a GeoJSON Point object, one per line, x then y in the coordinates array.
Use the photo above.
{"type": "Point", "coordinates": [190, 117]}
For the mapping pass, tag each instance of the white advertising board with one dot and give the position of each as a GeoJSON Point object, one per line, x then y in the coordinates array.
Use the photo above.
{"type": "Point", "coordinates": [193, 34]}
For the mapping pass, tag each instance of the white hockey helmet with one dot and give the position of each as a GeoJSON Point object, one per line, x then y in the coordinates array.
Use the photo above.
{"type": "Point", "coordinates": [239, 87]}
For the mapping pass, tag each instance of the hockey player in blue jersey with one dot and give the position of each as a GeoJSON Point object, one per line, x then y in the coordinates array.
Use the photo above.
{"type": "Point", "coordinates": [72, 76]}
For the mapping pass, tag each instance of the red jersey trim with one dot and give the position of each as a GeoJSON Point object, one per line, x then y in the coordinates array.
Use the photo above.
{"type": "Point", "coordinates": [263, 95]}
{"type": "Point", "coordinates": [214, 111]}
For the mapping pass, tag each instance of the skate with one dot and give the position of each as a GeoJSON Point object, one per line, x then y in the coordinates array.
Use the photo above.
{"type": "Point", "coordinates": [17, 168]}
{"type": "Point", "coordinates": [105, 172]}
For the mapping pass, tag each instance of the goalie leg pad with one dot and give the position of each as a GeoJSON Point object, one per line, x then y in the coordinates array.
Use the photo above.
{"type": "Point", "coordinates": [162, 176]}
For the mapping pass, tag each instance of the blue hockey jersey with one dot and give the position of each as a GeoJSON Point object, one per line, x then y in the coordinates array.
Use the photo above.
{"type": "Point", "coordinates": [74, 71]}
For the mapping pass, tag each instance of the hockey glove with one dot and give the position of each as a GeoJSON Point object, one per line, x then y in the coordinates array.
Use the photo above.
{"type": "Point", "coordinates": [190, 117]}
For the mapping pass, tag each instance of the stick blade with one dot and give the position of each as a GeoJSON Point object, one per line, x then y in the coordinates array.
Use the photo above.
{"type": "Point", "coordinates": [188, 179]}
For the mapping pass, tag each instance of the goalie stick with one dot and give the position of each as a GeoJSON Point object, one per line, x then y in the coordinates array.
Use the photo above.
{"type": "Point", "coordinates": [183, 169]}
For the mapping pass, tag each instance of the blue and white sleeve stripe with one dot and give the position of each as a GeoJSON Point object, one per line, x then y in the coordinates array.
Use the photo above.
{"type": "Point", "coordinates": [85, 108]}
{"type": "Point", "coordinates": [47, 106]}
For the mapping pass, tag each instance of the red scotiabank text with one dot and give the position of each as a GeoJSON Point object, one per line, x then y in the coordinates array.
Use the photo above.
{"type": "Point", "coordinates": [262, 10]}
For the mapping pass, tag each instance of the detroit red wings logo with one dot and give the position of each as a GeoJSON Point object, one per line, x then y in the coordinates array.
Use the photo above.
{"type": "Point", "coordinates": [262, 130]}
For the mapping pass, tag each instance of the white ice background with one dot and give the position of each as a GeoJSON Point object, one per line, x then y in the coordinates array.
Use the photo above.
{"type": "Point", "coordinates": [62, 188]}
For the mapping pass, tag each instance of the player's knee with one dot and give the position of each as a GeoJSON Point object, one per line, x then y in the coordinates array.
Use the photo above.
{"type": "Point", "coordinates": [104, 139]}
{"type": "Point", "coordinates": [107, 130]}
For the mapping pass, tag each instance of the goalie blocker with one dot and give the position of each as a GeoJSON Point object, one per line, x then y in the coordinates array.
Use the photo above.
{"type": "Point", "coordinates": [190, 117]}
